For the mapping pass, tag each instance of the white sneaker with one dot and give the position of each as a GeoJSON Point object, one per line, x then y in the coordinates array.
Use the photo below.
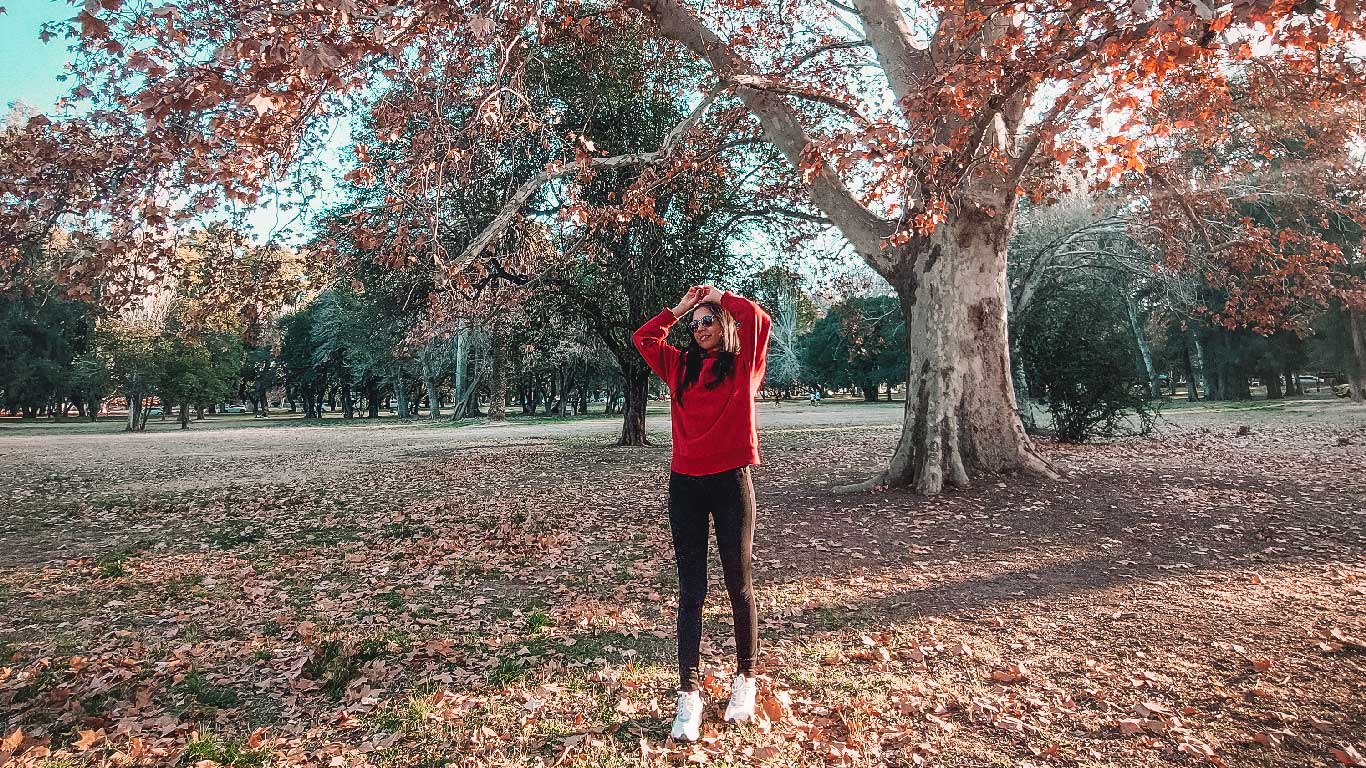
{"type": "Point", "coordinates": [688, 723]}
{"type": "Point", "coordinates": [741, 707]}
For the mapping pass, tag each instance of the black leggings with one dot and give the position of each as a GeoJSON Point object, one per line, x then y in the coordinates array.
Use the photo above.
{"type": "Point", "coordinates": [728, 497]}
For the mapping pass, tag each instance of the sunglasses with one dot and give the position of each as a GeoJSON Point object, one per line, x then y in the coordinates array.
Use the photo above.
{"type": "Point", "coordinates": [706, 321]}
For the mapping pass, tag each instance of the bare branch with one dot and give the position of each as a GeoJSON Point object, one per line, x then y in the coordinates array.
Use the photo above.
{"type": "Point", "coordinates": [782, 126]}
{"type": "Point", "coordinates": [798, 90]}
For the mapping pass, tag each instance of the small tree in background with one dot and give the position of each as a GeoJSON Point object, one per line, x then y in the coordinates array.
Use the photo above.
{"type": "Point", "coordinates": [1078, 352]}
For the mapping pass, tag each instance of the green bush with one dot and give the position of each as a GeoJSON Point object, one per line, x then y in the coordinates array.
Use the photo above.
{"type": "Point", "coordinates": [1081, 360]}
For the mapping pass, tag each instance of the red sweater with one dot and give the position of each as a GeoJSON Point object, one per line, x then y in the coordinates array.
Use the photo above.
{"type": "Point", "coordinates": [714, 430]}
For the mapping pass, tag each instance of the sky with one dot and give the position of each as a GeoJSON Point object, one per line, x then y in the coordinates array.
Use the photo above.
{"type": "Point", "coordinates": [29, 72]}
{"type": "Point", "coordinates": [29, 67]}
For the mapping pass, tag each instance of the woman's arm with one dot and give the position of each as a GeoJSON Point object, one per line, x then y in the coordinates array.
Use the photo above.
{"type": "Point", "coordinates": [755, 325]}
{"type": "Point", "coordinates": [661, 356]}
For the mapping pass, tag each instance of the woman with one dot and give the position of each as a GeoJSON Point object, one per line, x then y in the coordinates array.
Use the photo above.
{"type": "Point", "coordinates": [713, 383]}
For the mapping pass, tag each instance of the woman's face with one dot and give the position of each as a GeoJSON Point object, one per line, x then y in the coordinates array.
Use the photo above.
{"type": "Point", "coordinates": [706, 328]}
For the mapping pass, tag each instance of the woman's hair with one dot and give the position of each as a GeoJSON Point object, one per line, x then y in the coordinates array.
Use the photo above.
{"type": "Point", "coordinates": [693, 354]}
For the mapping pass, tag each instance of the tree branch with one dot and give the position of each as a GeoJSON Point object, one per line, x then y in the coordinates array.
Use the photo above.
{"type": "Point", "coordinates": [799, 90]}
{"type": "Point", "coordinates": [890, 34]}
{"type": "Point", "coordinates": [518, 199]}
{"type": "Point", "coordinates": [781, 124]}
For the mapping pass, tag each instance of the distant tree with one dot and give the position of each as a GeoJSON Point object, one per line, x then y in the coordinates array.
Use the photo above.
{"type": "Point", "coordinates": [858, 343]}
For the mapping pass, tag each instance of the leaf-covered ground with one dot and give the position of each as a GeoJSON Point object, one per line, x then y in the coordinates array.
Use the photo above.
{"type": "Point", "coordinates": [408, 596]}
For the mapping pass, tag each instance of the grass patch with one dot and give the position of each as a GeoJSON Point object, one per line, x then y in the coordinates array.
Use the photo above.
{"type": "Point", "coordinates": [111, 564]}
{"type": "Point", "coordinates": [404, 530]}
{"type": "Point", "coordinates": [228, 752]}
{"type": "Point", "coordinates": [207, 694]}
{"type": "Point", "coordinates": [537, 620]}
{"type": "Point", "coordinates": [406, 716]}
{"type": "Point", "coordinates": [336, 663]}
{"type": "Point", "coordinates": [182, 585]}
{"type": "Point", "coordinates": [234, 534]}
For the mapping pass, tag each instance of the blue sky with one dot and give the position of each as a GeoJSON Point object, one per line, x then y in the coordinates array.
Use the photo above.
{"type": "Point", "coordinates": [29, 67]}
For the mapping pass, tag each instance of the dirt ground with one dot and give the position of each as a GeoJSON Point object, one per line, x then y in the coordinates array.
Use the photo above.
{"type": "Point", "coordinates": [257, 593]}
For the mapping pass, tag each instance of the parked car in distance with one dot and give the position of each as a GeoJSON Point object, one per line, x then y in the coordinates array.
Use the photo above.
{"type": "Point", "coordinates": [232, 408]}
{"type": "Point", "coordinates": [154, 411]}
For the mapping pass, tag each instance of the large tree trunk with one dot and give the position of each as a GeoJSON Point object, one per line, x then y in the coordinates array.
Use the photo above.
{"type": "Point", "coordinates": [348, 411]}
{"type": "Point", "coordinates": [637, 397]}
{"type": "Point", "coordinates": [459, 385]}
{"type": "Point", "coordinates": [263, 382]}
{"type": "Point", "coordinates": [433, 396]}
{"type": "Point", "coordinates": [184, 415]}
{"type": "Point", "coordinates": [1356, 322]}
{"type": "Point", "coordinates": [960, 419]}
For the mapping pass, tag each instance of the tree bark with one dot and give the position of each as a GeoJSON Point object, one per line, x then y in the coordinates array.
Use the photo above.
{"type": "Point", "coordinates": [637, 398]}
{"type": "Point", "coordinates": [1145, 354]}
{"type": "Point", "coordinates": [960, 419]}
{"type": "Point", "coordinates": [134, 411]}
{"type": "Point", "coordinates": [433, 397]}
{"type": "Point", "coordinates": [184, 415]}
{"type": "Point", "coordinates": [401, 394]}
{"type": "Point", "coordinates": [372, 398]}
{"type": "Point", "coordinates": [870, 392]}
{"type": "Point", "coordinates": [1356, 384]}
{"type": "Point", "coordinates": [1192, 388]}
{"type": "Point", "coordinates": [1273, 385]}
{"type": "Point", "coordinates": [498, 387]}
{"type": "Point", "coordinates": [347, 411]}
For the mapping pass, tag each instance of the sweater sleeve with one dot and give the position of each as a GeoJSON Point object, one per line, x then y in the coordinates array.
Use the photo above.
{"type": "Point", "coordinates": [755, 326]}
{"type": "Point", "coordinates": [661, 356]}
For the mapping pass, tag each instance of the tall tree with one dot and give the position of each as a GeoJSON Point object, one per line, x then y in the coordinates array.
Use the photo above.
{"type": "Point", "coordinates": [919, 166]}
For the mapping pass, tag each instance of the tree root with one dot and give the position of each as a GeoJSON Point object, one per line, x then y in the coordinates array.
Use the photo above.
{"type": "Point", "coordinates": [876, 481]}
{"type": "Point", "coordinates": [1033, 464]}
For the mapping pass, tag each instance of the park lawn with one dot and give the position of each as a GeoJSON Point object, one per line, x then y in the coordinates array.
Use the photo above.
{"type": "Point", "coordinates": [1192, 599]}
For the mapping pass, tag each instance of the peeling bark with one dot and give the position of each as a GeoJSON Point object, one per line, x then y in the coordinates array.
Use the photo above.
{"type": "Point", "coordinates": [961, 418]}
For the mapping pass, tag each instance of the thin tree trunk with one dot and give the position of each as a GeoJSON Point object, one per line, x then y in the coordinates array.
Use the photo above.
{"type": "Point", "coordinates": [429, 376]}
{"type": "Point", "coordinates": [134, 411]}
{"type": "Point", "coordinates": [460, 405]}
{"type": "Point", "coordinates": [1273, 385]}
{"type": "Point", "coordinates": [1145, 354]}
{"type": "Point", "coordinates": [401, 394]}
{"type": "Point", "coordinates": [1192, 387]}
{"type": "Point", "coordinates": [637, 397]}
{"type": "Point", "coordinates": [499, 385]}
{"type": "Point", "coordinates": [347, 410]}
{"type": "Point", "coordinates": [184, 415]}
{"type": "Point", "coordinates": [960, 416]}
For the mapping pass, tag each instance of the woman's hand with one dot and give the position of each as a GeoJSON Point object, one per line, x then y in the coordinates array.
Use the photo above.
{"type": "Point", "coordinates": [689, 300]}
{"type": "Point", "coordinates": [710, 293]}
